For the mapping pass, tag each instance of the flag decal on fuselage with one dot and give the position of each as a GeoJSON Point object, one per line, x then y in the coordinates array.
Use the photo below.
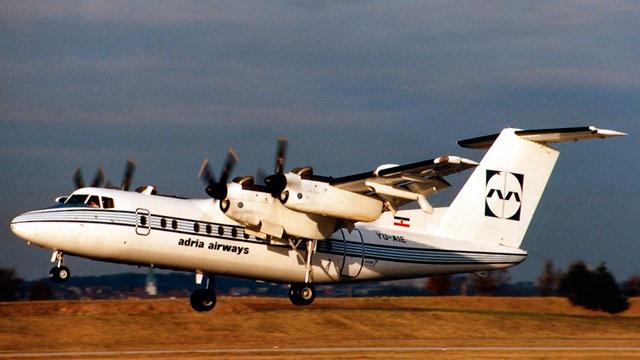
{"type": "Point", "coordinates": [401, 221]}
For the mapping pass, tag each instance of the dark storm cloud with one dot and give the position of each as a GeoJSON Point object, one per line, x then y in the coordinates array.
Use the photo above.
{"type": "Point", "coordinates": [93, 82]}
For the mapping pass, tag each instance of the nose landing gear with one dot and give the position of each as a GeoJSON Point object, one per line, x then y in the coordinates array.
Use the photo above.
{"type": "Point", "coordinates": [59, 273]}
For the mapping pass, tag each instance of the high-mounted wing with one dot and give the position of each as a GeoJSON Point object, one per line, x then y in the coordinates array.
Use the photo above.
{"type": "Point", "coordinates": [398, 184]}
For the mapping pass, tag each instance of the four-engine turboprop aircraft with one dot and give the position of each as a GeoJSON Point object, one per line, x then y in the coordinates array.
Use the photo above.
{"type": "Point", "coordinates": [304, 229]}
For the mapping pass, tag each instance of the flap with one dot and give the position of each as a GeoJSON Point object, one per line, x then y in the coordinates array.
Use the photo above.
{"type": "Point", "coordinates": [429, 173]}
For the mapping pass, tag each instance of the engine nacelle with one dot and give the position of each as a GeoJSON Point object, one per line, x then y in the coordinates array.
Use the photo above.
{"type": "Point", "coordinates": [320, 198]}
{"type": "Point", "coordinates": [263, 213]}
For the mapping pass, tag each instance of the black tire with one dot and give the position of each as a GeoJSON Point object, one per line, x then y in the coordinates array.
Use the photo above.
{"type": "Point", "coordinates": [53, 274]}
{"type": "Point", "coordinates": [63, 273]}
{"type": "Point", "coordinates": [302, 294]}
{"type": "Point", "coordinates": [294, 295]}
{"type": "Point", "coordinates": [203, 300]}
{"type": "Point", "coordinates": [59, 274]}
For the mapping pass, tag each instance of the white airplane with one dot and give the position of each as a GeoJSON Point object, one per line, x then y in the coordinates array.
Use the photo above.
{"type": "Point", "coordinates": [303, 229]}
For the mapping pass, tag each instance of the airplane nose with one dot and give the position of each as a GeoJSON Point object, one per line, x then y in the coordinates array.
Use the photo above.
{"type": "Point", "coordinates": [22, 228]}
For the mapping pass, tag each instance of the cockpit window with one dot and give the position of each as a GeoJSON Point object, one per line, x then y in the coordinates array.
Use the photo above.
{"type": "Point", "coordinates": [94, 201]}
{"type": "Point", "coordinates": [107, 203]}
{"type": "Point", "coordinates": [76, 200]}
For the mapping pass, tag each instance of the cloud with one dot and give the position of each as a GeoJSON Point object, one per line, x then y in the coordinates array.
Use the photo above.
{"type": "Point", "coordinates": [246, 62]}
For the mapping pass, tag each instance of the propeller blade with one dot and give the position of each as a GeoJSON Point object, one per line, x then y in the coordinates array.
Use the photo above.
{"type": "Point", "coordinates": [260, 176]}
{"type": "Point", "coordinates": [206, 174]}
{"type": "Point", "coordinates": [277, 182]}
{"type": "Point", "coordinates": [280, 155]}
{"type": "Point", "coordinates": [98, 179]}
{"type": "Point", "coordinates": [128, 175]}
{"type": "Point", "coordinates": [78, 180]}
{"type": "Point", "coordinates": [232, 160]}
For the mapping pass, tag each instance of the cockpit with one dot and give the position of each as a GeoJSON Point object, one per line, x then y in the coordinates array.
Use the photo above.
{"type": "Point", "coordinates": [86, 200]}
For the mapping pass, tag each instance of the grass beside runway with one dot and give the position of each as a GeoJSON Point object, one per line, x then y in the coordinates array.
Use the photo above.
{"type": "Point", "coordinates": [268, 323]}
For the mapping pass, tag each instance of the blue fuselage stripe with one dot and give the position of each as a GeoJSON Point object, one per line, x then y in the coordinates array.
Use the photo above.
{"type": "Point", "coordinates": [328, 246]}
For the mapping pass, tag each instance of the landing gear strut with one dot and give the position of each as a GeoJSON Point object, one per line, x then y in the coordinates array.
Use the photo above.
{"type": "Point", "coordinates": [302, 294]}
{"type": "Point", "coordinates": [305, 293]}
{"type": "Point", "coordinates": [203, 299]}
{"type": "Point", "coordinates": [59, 273]}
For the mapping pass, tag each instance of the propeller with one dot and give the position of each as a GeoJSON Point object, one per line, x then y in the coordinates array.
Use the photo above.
{"type": "Point", "coordinates": [99, 179]}
{"type": "Point", "coordinates": [218, 189]}
{"type": "Point", "coordinates": [277, 182]}
{"type": "Point", "coordinates": [260, 176]}
{"type": "Point", "coordinates": [78, 179]}
{"type": "Point", "coordinates": [128, 175]}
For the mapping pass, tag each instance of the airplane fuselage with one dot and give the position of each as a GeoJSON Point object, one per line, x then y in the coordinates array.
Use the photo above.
{"type": "Point", "coordinates": [194, 235]}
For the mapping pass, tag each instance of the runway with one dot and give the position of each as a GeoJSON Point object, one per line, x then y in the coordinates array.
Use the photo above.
{"type": "Point", "coordinates": [321, 350]}
{"type": "Point", "coordinates": [271, 328]}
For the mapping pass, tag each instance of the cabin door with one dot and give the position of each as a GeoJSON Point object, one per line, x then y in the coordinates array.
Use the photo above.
{"type": "Point", "coordinates": [353, 253]}
{"type": "Point", "coordinates": [143, 222]}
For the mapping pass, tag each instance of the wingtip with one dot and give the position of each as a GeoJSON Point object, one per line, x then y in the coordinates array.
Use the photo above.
{"type": "Point", "coordinates": [608, 133]}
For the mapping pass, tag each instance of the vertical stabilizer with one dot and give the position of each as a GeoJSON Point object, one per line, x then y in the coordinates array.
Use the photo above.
{"type": "Point", "coordinates": [498, 201]}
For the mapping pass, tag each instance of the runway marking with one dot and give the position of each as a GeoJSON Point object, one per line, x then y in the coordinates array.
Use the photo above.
{"type": "Point", "coordinates": [322, 350]}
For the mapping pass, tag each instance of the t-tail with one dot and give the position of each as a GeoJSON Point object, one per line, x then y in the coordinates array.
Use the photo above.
{"type": "Point", "coordinates": [498, 201]}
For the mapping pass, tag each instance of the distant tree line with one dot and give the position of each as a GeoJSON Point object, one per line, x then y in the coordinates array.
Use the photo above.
{"type": "Point", "coordinates": [591, 288]}
{"type": "Point", "coordinates": [594, 289]}
{"type": "Point", "coordinates": [13, 288]}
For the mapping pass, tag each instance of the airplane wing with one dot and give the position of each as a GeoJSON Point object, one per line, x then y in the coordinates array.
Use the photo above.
{"type": "Point", "coordinates": [399, 184]}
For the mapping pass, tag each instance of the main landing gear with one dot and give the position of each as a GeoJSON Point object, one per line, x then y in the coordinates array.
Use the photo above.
{"type": "Point", "coordinates": [305, 293]}
{"type": "Point", "coordinates": [203, 299]}
{"type": "Point", "coordinates": [59, 273]}
{"type": "Point", "coordinates": [302, 294]}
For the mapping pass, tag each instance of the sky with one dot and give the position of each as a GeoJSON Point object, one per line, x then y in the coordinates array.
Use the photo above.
{"type": "Point", "coordinates": [352, 85]}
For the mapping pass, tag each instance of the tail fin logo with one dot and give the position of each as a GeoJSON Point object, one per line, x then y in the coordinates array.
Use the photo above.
{"type": "Point", "coordinates": [503, 195]}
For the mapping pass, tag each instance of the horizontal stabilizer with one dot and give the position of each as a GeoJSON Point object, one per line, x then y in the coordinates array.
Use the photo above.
{"type": "Point", "coordinates": [545, 136]}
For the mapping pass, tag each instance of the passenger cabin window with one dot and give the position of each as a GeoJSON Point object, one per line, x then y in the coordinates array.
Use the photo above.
{"type": "Point", "coordinates": [76, 200]}
{"type": "Point", "coordinates": [94, 201]}
{"type": "Point", "coordinates": [107, 203]}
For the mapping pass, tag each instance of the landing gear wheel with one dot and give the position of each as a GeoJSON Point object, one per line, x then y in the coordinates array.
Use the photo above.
{"type": "Point", "coordinates": [59, 274]}
{"type": "Point", "coordinates": [302, 294]}
{"type": "Point", "coordinates": [203, 300]}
